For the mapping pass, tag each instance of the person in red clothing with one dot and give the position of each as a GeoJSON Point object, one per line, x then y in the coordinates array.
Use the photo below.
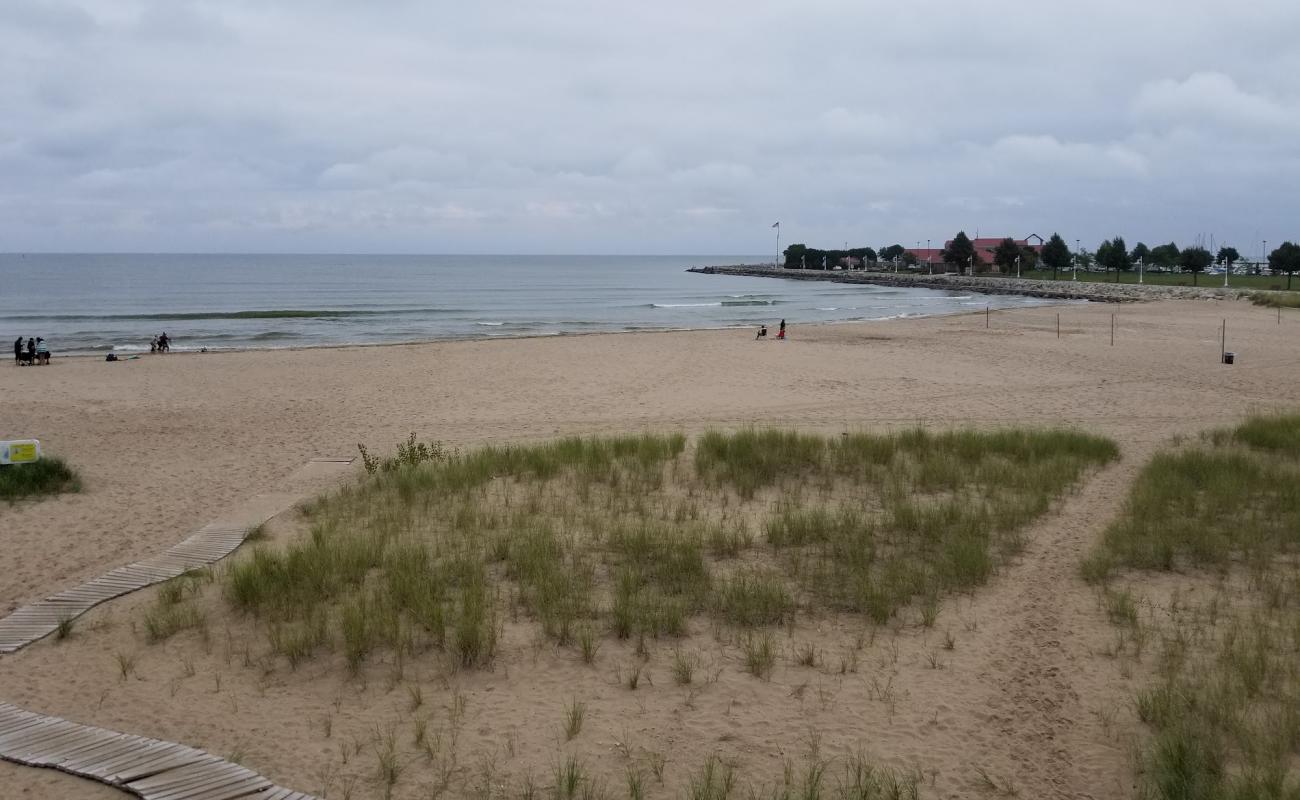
{"type": "Point", "coordinates": [781, 333]}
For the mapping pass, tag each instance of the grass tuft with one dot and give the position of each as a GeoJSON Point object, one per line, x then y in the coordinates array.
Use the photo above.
{"type": "Point", "coordinates": [760, 655]}
{"type": "Point", "coordinates": [48, 476]}
{"type": "Point", "coordinates": [573, 718]}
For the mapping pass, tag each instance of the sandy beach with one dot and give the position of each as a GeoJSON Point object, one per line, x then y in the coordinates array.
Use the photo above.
{"type": "Point", "coordinates": [166, 443]}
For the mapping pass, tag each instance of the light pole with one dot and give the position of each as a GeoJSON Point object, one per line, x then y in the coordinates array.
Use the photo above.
{"type": "Point", "coordinates": [1017, 266]}
{"type": "Point", "coordinates": [1263, 256]}
{"type": "Point", "coordinates": [777, 225]}
{"type": "Point", "coordinates": [1142, 263]}
{"type": "Point", "coordinates": [1227, 270]}
{"type": "Point", "coordinates": [928, 262]}
{"type": "Point", "coordinates": [1076, 260]}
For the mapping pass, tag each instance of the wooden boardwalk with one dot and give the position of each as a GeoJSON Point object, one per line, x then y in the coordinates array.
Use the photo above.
{"type": "Point", "coordinates": [207, 545]}
{"type": "Point", "coordinates": [147, 768]}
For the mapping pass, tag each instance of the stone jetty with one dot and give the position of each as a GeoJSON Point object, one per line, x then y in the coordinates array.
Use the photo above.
{"type": "Point", "coordinates": [993, 284]}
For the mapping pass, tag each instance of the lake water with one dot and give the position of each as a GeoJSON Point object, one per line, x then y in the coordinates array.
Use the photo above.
{"type": "Point", "coordinates": [98, 303]}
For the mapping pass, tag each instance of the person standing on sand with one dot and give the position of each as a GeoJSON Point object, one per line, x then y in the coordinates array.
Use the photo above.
{"type": "Point", "coordinates": [31, 351]}
{"type": "Point", "coordinates": [781, 333]}
{"type": "Point", "coordinates": [18, 350]}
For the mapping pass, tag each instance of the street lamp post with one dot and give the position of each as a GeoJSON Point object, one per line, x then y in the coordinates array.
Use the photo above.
{"type": "Point", "coordinates": [928, 256]}
{"type": "Point", "coordinates": [777, 263]}
{"type": "Point", "coordinates": [1076, 260]}
{"type": "Point", "coordinates": [1142, 263]}
{"type": "Point", "coordinates": [1017, 266]}
{"type": "Point", "coordinates": [1263, 256]}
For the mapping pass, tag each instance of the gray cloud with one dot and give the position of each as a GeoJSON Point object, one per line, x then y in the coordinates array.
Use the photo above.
{"type": "Point", "coordinates": [560, 126]}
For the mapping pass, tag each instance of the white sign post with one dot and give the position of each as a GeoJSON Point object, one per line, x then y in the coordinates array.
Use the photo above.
{"type": "Point", "coordinates": [20, 451]}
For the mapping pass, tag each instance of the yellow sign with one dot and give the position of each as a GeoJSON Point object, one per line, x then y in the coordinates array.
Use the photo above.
{"type": "Point", "coordinates": [24, 451]}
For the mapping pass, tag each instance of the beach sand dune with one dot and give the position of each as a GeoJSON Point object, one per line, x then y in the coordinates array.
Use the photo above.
{"type": "Point", "coordinates": [165, 444]}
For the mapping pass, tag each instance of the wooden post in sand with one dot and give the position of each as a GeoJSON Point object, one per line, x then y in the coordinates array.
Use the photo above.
{"type": "Point", "coordinates": [986, 317]}
{"type": "Point", "coordinates": [1058, 324]}
{"type": "Point", "coordinates": [1112, 330]}
{"type": "Point", "coordinates": [1223, 340]}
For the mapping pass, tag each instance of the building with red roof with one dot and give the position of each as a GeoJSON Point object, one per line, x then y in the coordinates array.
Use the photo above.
{"type": "Point", "coordinates": [931, 259]}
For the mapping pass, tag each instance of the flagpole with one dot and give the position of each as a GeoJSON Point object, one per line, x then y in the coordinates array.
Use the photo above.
{"type": "Point", "coordinates": [777, 263]}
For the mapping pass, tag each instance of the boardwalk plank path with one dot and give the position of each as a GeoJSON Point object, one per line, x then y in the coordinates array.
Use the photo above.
{"type": "Point", "coordinates": [206, 546]}
{"type": "Point", "coordinates": [147, 768]}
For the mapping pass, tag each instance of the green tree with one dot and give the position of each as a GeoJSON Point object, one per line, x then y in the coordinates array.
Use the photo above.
{"type": "Point", "coordinates": [960, 251]}
{"type": "Point", "coordinates": [1028, 258]}
{"type": "Point", "coordinates": [1286, 258]}
{"type": "Point", "coordinates": [1195, 260]}
{"type": "Point", "coordinates": [1165, 255]}
{"type": "Point", "coordinates": [794, 256]}
{"type": "Point", "coordinates": [1113, 255]}
{"type": "Point", "coordinates": [1141, 253]}
{"type": "Point", "coordinates": [1227, 257]}
{"type": "Point", "coordinates": [892, 252]}
{"type": "Point", "coordinates": [864, 253]}
{"type": "Point", "coordinates": [1006, 254]}
{"type": "Point", "coordinates": [1056, 254]}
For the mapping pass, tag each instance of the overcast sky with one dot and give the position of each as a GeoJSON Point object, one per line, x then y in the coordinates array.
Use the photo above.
{"type": "Point", "coordinates": [550, 126]}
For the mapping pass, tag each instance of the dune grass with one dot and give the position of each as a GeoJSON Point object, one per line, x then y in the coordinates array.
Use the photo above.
{"type": "Point", "coordinates": [632, 537]}
{"type": "Point", "coordinates": [48, 476]}
{"type": "Point", "coordinates": [1275, 299]}
{"type": "Point", "coordinates": [1224, 705]}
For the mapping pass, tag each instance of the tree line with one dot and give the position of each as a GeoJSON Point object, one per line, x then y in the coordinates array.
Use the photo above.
{"type": "Point", "coordinates": [1112, 254]}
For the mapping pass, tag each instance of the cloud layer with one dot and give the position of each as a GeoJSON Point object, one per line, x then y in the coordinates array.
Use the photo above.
{"type": "Point", "coordinates": [564, 126]}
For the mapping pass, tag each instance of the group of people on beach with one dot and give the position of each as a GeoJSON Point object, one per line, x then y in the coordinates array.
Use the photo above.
{"type": "Point", "coordinates": [160, 344]}
{"type": "Point", "coordinates": [36, 351]}
{"type": "Point", "coordinates": [762, 332]}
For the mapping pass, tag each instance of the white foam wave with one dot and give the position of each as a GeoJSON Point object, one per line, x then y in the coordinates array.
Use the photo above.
{"type": "Point", "coordinates": [491, 324]}
{"type": "Point", "coordinates": [683, 305]}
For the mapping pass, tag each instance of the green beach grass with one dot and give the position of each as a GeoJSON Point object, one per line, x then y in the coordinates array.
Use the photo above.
{"type": "Point", "coordinates": [1223, 705]}
{"type": "Point", "coordinates": [1275, 299]}
{"type": "Point", "coordinates": [1235, 281]}
{"type": "Point", "coordinates": [49, 476]}
{"type": "Point", "coordinates": [633, 537]}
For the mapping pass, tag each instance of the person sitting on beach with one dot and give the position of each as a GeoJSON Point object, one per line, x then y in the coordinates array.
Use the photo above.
{"type": "Point", "coordinates": [42, 351]}
{"type": "Point", "coordinates": [762, 332]}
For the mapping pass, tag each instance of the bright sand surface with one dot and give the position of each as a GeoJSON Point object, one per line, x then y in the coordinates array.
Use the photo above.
{"type": "Point", "coordinates": [166, 443]}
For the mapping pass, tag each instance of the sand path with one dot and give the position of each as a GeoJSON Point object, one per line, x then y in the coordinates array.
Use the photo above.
{"type": "Point", "coordinates": [1033, 714]}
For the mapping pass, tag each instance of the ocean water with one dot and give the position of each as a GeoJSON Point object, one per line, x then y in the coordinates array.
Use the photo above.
{"type": "Point", "coordinates": [100, 303]}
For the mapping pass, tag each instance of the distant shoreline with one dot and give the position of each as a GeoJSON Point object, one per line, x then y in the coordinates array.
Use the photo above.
{"type": "Point", "coordinates": [989, 284]}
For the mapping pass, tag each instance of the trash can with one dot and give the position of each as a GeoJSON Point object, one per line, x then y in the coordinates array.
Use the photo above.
{"type": "Point", "coordinates": [1229, 357]}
